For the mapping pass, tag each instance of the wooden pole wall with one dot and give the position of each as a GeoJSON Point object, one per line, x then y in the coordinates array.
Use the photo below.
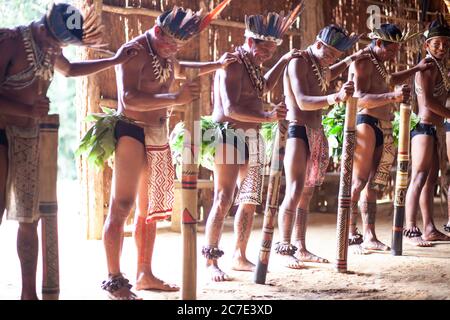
{"type": "Point", "coordinates": [92, 182]}
{"type": "Point", "coordinates": [189, 195]}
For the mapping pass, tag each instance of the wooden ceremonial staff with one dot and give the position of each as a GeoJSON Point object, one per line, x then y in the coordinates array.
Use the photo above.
{"type": "Point", "coordinates": [273, 191]}
{"type": "Point", "coordinates": [48, 205]}
{"type": "Point", "coordinates": [345, 184]}
{"type": "Point", "coordinates": [189, 196]}
{"type": "Point", "coordinates": [401, 180]}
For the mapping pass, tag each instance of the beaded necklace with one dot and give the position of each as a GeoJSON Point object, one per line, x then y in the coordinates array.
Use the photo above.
{"type": "Point", "coordinates": [318, 71]}
{"type": "Point", "coordinates": [444, 85]}
{"type": "Point", "coordinates": [161, 73]}
{"type": "Point", "coordinates": [254, 71]}
{"type": "Point", "coordinates": [40, 65]}
{"type": "Point", "coordinates": [380, 67]}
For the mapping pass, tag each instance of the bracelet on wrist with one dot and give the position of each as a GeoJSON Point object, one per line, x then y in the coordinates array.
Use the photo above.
{"type": "Point", "coordinates": [348, 61]}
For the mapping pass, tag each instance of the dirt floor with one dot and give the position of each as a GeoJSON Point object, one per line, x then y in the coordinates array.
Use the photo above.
{"type": "Point", "coordinates": [421, 273]}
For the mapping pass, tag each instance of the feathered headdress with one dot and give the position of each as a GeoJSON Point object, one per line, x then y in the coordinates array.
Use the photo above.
{"type": "Point", "coordinates": [437, 28]}
{"type": "Point", "coordinates": [182, 24]}
{"type": "Point", "coordinates": [71, 26]}
{"type": "Point", "coordinates": [337, 37]}
{"type": "Point", "coordinates": [379, 33]}
{"type": "Point", "coordinates": [271, 28]}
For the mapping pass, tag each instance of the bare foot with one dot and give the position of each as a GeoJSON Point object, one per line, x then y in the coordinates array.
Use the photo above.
{"type": "Point", "coordinates": [435, 235]}
{"type": "Point", "coordinates": [374, 245]}
{"type": "Point", "coordinates": [413, 235]}
{"type": "Point", "coordinates": [357, 249]}
{"type": "Point", "coordinates": [217, 275]}
{"type": "Point", "coordinates": [292, 262]}
{"type": "Point", "coordinates": [147, 282]}
{"type": "Point", "coordinates": [118, 288]}
{"type": "Point", "coordinates": [242, 264]}
{"type": "Point", "coordinates": [355, 240]}
{"type": "Point", "coordinates": [306, 256]}
{"type": "Point", "coordinates": [122, 294]}
{"type": "Point", "coordinates": [418, 242]}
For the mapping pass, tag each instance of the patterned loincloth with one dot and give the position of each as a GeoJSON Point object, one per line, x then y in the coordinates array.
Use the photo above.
{"type": "Point", "coordinates": [318, 157]}
{"type": "Point", "coordinates": [250, 191]}
{"type": "Point", "coordinates": [161, 173]}
{"type": "Point", "coordinates": [383, 173]}
{"type": "Point", "coordinates": [22, 186]}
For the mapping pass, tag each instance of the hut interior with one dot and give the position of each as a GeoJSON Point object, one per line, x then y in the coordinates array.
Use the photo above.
{"type": "Point", "coordinates": [129, 18]}
{"type": "Point", "coordinates": [421, 273]}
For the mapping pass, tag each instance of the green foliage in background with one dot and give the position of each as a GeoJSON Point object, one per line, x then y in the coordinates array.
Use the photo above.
{"type": "Point", "coordinates": [396, 125]}
{"type": "Point", "coordinates": [62, 90]}
{"type": "Point", "coordinates": [207, 149]}
{"type": "Point", "coordinates": [334, 122]}
{"type": "Point", "coordinates": [99, 142]}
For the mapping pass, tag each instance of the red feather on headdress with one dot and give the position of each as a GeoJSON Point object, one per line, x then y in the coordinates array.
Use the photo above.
{"type": "Point", "coordinates": [294, 14]}
{"type": "Point", "coordinates": [213, 14]}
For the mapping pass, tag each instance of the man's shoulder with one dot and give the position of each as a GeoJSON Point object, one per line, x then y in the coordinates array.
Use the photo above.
{"type": "Point", "coordinates": [9, 41]}
{"type": "Point", "coordinates": [9, 36]}
{"type": "Point", "coordinates": [141, 57]}
{"type": "Point", "coordinates": [235, 68]}
{"type": "Point", "coordinates": [428, 74]}
{"type": "Point", "coordinates": [298, 65]}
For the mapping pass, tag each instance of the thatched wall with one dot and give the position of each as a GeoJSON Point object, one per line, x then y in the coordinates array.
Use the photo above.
{"type": "Point", "coordinates": [125, 19]}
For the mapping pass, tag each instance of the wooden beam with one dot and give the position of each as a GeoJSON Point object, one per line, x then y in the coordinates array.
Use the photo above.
{"type": "Point", "coordinates": [155, 13]}
{"type": "Point", "coordinates": [92, 181]}
{"type": "Point", "coordinates": [379, 3]}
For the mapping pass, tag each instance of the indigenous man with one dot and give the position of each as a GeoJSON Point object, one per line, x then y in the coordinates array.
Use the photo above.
{"type": "Point", "coordinates": [428, 153]}
{"type": "Point", "coordinates": [29, 56]}
{"type": "Point", "coordinates": [143, 163]}
{"type": "Point", "coordinates": [306, 84]}
{"type": "Point", "coordinates": [374, 151]}
{"type": "Point", "coordinates": [239, 112]}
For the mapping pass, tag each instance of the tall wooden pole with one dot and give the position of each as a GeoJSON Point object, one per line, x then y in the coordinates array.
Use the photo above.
{"type": "Point", "coordinates": [92, 181]}
{"type": "Point", "coordinates": [48, 205]}
{"type": "Point", "coordinates": [273, 192]}
{"type": "Point", "coordinates": [345, 185]}
{"type": "Point", "coordinates": [401, 181]}
{"type": "Point", "coordinates": [189, 195]}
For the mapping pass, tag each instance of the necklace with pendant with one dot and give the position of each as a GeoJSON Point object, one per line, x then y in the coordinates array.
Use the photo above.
{"type": "Point", "coordinates": [380, 67]}
{"type": "Point", "coordinates": [319, 72]}
{"type": "Point", "coordinates": [255, 72]}
{"type": "Point", "coordinates": [161, 73]}
{"type": "Point", "coordinates": [40, 62]}
{"type": "Point", "coordinates": [445, 83]}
